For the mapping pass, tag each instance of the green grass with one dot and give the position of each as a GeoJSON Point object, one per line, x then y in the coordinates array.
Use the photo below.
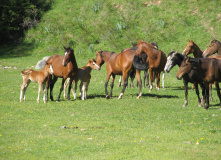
{"type": "Point", "coordinates": [154, 127]}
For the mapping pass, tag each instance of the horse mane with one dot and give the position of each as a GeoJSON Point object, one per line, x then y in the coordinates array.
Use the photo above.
{"type": "Point", "coordinates": [40, 64]}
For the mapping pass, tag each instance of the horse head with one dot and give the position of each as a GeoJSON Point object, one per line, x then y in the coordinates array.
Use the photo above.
{"type": "Point", "coordinates": [67, 55]}
{"type": "Point", "coordinates": [99, 58]}
{"type": "Point", "coordinates": [92, 63]}
{"type": "Point", "coordinates": [171, 61]}
{"type": "Point", "coordinates": [213, 48]}
{"type": "Point", "coordinates": [189, 48]}
{"type": "Point", "coordinates": [185, 68]}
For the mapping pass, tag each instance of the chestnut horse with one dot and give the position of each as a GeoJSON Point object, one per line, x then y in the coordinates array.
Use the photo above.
{"type": "Point", "coordinates": [31, 75]}
{"type": "Point", "coordinates": [209, 70]}
{"type": "Point", "coordinates": [64, 67]}
{"type": "Point", "coordinates": [193, 48]}
{"type": "Point", "coordinates": [118, 64]}
{"type": "Point", "coordinates": [214, 47]}
{"type": "Point", "coordinates": [84, 75]}
{"type": "Point", "coordinates": [156, 59]}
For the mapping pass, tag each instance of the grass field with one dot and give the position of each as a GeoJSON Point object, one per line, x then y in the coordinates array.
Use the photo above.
{"type": "Point", "coordinates": [154, 127]}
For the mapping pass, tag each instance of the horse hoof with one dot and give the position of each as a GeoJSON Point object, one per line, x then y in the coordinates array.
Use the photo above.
{"type": "Point", "coordinates": [200, 105]}
{"type": "Point", "coordinates": [206, 108]}
{"type": "Point", "coordinates": [57, 101]}
{"type": "Point", "coordinates": [107, 97]}
{"type": "Point", "coordinates": [158, 88]}
{"type": "Point", "coordinates": [120, 97]}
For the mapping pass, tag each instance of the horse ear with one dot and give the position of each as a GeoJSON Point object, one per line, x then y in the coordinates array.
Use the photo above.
{"type": "Point", "coordinates": [188, 40]}
{"type": "Point", "coordinates": [191, 40]}
{"type": "Point", "coordinates": [96, 52]}
{"type": "Point", "coordinates": [187, 60]}
{"type": "Point", "coordinates": [64, 47]}
{"type": "Point", "coordinates": [213, 39]}
{"type": "Point", "coordinates": [138, 41]}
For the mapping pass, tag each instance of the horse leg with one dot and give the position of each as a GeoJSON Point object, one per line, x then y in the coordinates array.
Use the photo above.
{"type": "Point", "coordinates": [163, 78]}
{"type": "Point", "coordinates": [186, 93]}
{"type": "Point", "coordinates": [197, 92]}
{"type": "Point", "coordinates": [203, 94]}
{"type": "Point", "coordinates": [44, 98]}
{"type": "Point", "coordinates": [26, 86]}
{"type": "Point", "coordinates": [65, 86]}
{"type": "Point", "coordinates": [158, 81]}
{"type": "Point", "coordinates": [139, 83]}
{"type": "Point", "coordinates": [119, 82]}
{"type": "Point", "coordinates": [106, 83]}
{"type": "Point", "coordinates": [80, 87]}
{"type": "Point", "coordinates": [210, 92]}
{"type": "Point", "coordinates": [132, 76]}
{"type": "Point", "coordinates": [112, 84]}
{"type": "Point", "coordinates": [48, 84]}
{"type": "Point", "coordinates": [69, 88]}
{"type": "Point", "coordinates": [39, 91]}
{"type": "Point", "coordinates": [52, 82]}
{"type": "Point", "coordinates": [125, 82]}
{"type": "Point", "coordinates": [61, 89]}
{"type": "Point", "coordinates": [147, 77]}
{"type": "Point", "coordinates": [218, 91]}
{"type": "Point", "coordinates": [83, 91]}
{"type": "Point", "coordinates": [207, 95]}
{"type": "Point", "coordinates": [151, 79]}
{"type": "Point", "coordinates": [75, 88]}
{"type": "Point", "coordinates": [144, 77]}
{"type": "Point", "coordinates": [25, 81]}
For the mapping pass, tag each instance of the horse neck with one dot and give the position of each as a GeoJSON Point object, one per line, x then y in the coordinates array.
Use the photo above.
{"type": "Point", "coordinates": [45, 71]}
{"type": "Point", "coordinates": [106, 56]}
{"type": "Point", "coordinates": [180, 58]}
{"type": "Point", "coordinates": [197, 52]}
{"type": "Point", "coordinates": [73, 61]}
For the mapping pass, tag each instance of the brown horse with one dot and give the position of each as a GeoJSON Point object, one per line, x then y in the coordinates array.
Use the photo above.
{"type": "Point", "coordinates": [193, 48]}
{"type": "Point", "coordinates": [64, 67]}
{"type": "Point", "coordinates": [31, 75]}
{"type": "Point", "coordinates": [118, 64]}
{"type": "Point", "coordinates": [156, 59]}
{"type": "Point", "coordinates": [214, 47]}
{"type": "Point", "coordinates": [208, 69]}
{"type": "Point", "coordinates": [84, 75]}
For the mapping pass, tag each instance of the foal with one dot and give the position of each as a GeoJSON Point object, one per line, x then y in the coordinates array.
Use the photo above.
{"type": "Point", "coordinates": [35, 76]}
{"type": "Point", "coordinates": [84, 75]}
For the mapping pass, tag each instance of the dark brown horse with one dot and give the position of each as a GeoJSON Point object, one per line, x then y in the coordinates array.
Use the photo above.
{"type": "Point", "coordinates": [214, 47]}
{"type": "Point", "coordinates": [193, 48]}
{"type": "Point", "coordinates": [64, 67]}
{"type": "Point", "coordinates": [118, 64]}
{"type": "Point", "coordinates": [209, 71]}
{"type": "Point", "coordinates": [156, 60]}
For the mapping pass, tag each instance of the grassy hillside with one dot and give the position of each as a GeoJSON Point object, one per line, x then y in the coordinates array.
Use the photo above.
{"type": "Point", "coordinates": [110, 25]}
{"type": "Point", "coordinates": [154, 127]}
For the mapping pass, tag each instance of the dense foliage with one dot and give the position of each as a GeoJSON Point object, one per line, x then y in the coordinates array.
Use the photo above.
{"type": "Point", "coordinates": [18, 16]}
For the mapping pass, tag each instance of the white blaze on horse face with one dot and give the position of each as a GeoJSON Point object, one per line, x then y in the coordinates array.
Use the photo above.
{"type": "Point", "coordinates": [65, 54]}
{"type": "Point", "coordinates": [168, 64]}
{"type": "Point", "coordinates": [204, 52]}
{"type": "Point", "coordinates": [98, 68]}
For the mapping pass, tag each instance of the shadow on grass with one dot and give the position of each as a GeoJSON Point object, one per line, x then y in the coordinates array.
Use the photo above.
{"type": "Point", "coordinates": [22, 50]}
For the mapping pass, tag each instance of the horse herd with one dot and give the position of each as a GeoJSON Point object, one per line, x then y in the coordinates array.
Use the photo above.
{"type": "Point", "coordinates": [203, 69]}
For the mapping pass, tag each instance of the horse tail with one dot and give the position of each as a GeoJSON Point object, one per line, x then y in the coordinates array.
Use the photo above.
{"type": "Point", "coordinates": [42, 63]}
{"type": "Point", "coordinates": [26, 72]}
{"type": "Point", "coordinates": [139, 64]}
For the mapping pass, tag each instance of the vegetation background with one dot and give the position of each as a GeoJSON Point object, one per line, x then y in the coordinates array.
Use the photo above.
{"type": "Point", "coordinates": [154, 127]}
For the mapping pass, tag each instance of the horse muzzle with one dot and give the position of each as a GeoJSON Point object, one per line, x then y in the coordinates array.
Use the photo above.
{"type": "Point", "coordinates": [179, 77]}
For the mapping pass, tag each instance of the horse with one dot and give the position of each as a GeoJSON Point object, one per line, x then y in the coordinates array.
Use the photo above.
{"type": "Point", "coordinates": [193, 48]}
{"type": "Point", "coordinates": [64, 67]}
{"type": "Point", "coordinates": [146, 74]}
{"type": "Point", "coordinates": [40, 77]}
{"type": "Point", "coordinates": [118, 64]}
{"type": "Point", "coordinates": [156, 60]}
{"type": "Point", "coordinates": [214, 47]}
{"type": "Point", "coordinates": [84, 75]}
{"type": "Point", "coordinates": [209, 71]}
{"type": "Point", "coordinates": [175, 58]}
